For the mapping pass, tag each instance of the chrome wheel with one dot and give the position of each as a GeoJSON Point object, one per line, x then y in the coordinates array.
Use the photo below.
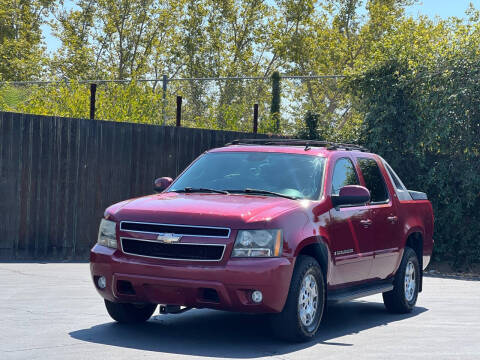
{"type": "Point", "coordinates": [308, 300]}
{"type": "Point", "coordinates": [410, 281]}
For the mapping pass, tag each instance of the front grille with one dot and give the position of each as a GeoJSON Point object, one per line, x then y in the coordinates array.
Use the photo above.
{"type": "Point", "coordinates": [194, 252]}
{"type": "Point", "coordinates": [186, 230]}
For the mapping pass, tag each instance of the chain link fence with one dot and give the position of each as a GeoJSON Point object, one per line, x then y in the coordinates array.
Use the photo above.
{"type": "Point", "coordinates": [219, 103]}
{"type": "Point", "coordinates": [213, 103]}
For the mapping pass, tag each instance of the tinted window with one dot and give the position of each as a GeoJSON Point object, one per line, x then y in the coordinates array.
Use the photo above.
{"type": "Point", "coordinates": [294, 175]}
{"type": "Point", "coordinates": [343, 174]}
{"type": "Point", "coordinates": [396, 180]}
{"type": "Point", "coordinates": [373, 179]}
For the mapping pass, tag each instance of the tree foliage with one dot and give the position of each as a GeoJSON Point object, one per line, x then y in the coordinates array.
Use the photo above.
{"type": "Point", "coordinates": [22, 54]}
{"type": "Point", "coordinates": [420, 108]}
{"type": "Point", "coordinates": [427, 125]}
{"type": "Point", "coordinates": [276, 96]}
{"type": "Point", "coordinates": [189, 39]}
{"type": "Point", "coordinates": [125, 39]}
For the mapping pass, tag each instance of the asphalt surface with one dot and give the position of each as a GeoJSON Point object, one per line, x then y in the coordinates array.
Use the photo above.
{"type": "Point", "coordinates": [52, 311]}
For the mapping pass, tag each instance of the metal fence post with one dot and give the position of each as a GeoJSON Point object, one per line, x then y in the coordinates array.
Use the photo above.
{"type": "Point", "coordinates": [164, 105]}
{"type": "Point", "coordinates": [255, 118]}
{"type": "Point", "coordinates": [93, 90]}
{"type": "Point", "coordinates": [179, 111]}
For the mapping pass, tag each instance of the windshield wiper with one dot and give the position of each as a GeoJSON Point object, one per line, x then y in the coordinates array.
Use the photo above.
{"type": "Point", "coordinates": [201, 190]}
{"type": "Point", "coordinates": [266, 192]}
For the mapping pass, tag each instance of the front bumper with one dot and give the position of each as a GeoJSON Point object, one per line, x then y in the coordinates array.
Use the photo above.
{"type": "Point", "coordinates": [185, 284]}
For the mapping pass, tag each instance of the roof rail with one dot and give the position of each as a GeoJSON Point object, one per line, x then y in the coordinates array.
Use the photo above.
{"type": "Point", "coordinates": [330, 145]}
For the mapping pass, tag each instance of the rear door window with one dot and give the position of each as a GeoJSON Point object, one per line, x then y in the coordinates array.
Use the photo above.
{"type": "Point", "coordinates": [374, 180]}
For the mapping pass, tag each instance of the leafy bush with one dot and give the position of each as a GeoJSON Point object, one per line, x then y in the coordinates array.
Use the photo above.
{"type": "Point", "coordinates": [140, 102]}
{"type": "Point", "coordinates": [426, 124]}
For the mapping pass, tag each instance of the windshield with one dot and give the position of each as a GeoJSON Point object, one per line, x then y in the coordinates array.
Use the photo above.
{"type": "Point", "coordinates": [294, 175]}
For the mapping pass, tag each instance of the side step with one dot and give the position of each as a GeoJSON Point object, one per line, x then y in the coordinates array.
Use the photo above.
{"type": "Point", "coordinates": [355, 292]}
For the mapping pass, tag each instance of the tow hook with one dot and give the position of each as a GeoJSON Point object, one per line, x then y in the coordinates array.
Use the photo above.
{"type": "Point", "coordinates": [173, 309]}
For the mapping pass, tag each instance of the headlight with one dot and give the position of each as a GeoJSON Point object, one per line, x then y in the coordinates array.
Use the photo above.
{"type": "Point", "coordinates": [107, 235]}
{"type": "Point", "coordinates": [258, 243]}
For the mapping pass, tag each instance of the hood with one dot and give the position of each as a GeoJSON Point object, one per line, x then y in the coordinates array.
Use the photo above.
{"type": "Point", "coordinates": [232, 210]}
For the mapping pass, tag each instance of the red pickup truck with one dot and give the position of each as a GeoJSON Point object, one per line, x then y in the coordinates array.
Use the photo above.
{"type": "Point", "coordinates": [267, 226]}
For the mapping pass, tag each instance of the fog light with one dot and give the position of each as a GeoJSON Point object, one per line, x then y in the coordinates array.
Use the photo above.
{"type": "Point", "coordinates": [102, 282]}
{"type": "Point", "coordinates": [257, 296]}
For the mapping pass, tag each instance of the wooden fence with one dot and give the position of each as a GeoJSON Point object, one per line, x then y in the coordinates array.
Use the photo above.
{"type": "Point", "coordinates": [57, 176]}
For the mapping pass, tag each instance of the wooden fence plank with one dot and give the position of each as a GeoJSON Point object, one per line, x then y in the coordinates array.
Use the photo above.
{"type": "Point", "coordinates": [35, 188]}
{"type": "Point", "coordinates": [25, 173]}
{"type": "Point", "coordinates": [8, 185]}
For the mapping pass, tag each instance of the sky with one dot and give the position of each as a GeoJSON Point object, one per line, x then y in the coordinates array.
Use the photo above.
{"type": "Point", "coordinates": [441, 8]}
{"type": "Point", "coordinates": [430, 8]}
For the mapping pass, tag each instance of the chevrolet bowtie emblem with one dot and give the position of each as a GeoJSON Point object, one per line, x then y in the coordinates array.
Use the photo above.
{"type": "Point", "coordinates": [168, 238]}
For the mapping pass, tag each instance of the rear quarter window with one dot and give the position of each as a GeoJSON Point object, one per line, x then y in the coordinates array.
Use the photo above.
{"type": "Point", "coordinates": [399, 187]}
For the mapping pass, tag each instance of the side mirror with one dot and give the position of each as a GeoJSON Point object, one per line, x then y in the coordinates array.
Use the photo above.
{"type": "Point", "coordinates": [351, 195]}
{"type": "Point", "coordinates": [161, 184]}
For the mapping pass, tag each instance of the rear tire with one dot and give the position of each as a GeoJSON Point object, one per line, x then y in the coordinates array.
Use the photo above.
{"type": "Point", "coordinates": [129, 313]}
{"type": "Point", "coordinates": [303, 310]}
{"type": "Point", "coordinates": [403, 297]}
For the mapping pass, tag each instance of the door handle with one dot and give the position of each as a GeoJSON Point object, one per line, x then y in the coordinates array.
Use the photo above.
{"type": "Point", "coordinates": [392, 219]}
{"type": "Point", "coordinates": [366, 223]}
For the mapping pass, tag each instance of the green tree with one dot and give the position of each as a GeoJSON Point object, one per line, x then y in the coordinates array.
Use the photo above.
{"type": "Point", "coordinates": [22, 51]}
{"type": "Point", "coordinates": [334, 37]}
{"type": "Point", "coordinates": [190, 39]}
{"type": "Point", "coordinates": [275, 105]}
{"type": "Point", "coordinates": [426, 124]}
{"type": "Point", "coordinates": [224, 39]}
{"type": "Point", "coordinates": [310, 131]}
{"type": "Point", "coordinates": [114, 39]}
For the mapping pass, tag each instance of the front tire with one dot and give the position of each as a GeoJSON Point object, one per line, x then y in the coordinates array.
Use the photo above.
{"type": "Point", "coordinates": [403, 297]}
{"type": "Point", "coordinates": [303, 311]}
{"type": "Point", "coordinates": [129, 313]}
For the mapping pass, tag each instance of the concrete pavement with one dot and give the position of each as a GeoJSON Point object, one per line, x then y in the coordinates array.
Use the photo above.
{"type": "Point", "coordinates": [52, 311]}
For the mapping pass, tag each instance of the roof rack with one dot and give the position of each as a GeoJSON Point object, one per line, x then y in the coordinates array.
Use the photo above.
{"type": "Point", "coordinates": [329, 145]}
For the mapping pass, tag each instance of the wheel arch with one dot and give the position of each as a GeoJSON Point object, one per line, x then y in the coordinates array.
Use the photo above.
{"type": "Point", "coordinates": [317, 248]}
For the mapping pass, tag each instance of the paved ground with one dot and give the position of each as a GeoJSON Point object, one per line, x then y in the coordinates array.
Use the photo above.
{"type": "Point", "coordinates": [51, 311]}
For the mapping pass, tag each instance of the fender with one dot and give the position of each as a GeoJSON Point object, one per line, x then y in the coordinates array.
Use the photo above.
{"type": "Point", "coordinates": [410, 231]}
